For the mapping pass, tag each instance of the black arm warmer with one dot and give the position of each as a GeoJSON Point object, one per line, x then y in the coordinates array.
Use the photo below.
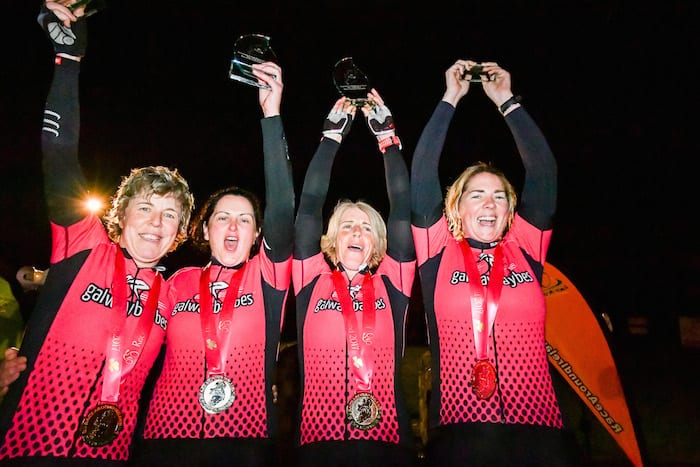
{"type": "Point", "coordinates": [539, 194]}
{"type": "Point", "coordinates": [64, 181]}
{"type": "Point", "coordinates": [426, 192]}
{"type": "Point", "coordinates": [308, 226]}
{"type": "Point", "coordinates": [399, 238]}
{"type": "Point", "coordinates": [278, 221]}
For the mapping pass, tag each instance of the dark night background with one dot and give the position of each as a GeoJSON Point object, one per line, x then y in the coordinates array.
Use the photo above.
{"type": "Point", "coordinates": [609, 82]}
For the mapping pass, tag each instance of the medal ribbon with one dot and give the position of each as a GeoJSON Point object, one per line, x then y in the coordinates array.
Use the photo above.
{"type": "Point", "coordinates": [216, 327]}
{"type": "Point", "coordinates": [491, 294]}
{"type": "Point", "coordinates": [359, 347]}
{"type": "Point", "coordinates": [129, 336]}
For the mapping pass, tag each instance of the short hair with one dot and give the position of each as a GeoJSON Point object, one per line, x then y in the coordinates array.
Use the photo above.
{"type": "Point", "coordinates": [197, 228]}
{"type": "Point", "coordinates": [375, 220]}
{"type": "Point", "coordinates": [149, 181]}
{"type": "Point", "coordinates": [456, 190]}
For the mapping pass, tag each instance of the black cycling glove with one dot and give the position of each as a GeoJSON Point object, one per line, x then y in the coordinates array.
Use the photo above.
{"type": "Point", "coordinates": [337, 122]}
{"type": "Point", "coordinates": [380, 121]}
{"type": "Point", "coordinates": [71, 41]}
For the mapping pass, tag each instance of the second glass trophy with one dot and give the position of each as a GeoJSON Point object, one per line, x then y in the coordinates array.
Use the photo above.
{"type": "Point", "coordinates": [350, 81]}
{"type": "Point", "coordinates": [248, 50]}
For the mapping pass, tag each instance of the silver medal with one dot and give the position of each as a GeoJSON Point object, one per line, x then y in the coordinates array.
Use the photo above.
{"type": "Point", "coordinates": [363, 411]}
{"type": "Point", "coordinates": [216, 394]}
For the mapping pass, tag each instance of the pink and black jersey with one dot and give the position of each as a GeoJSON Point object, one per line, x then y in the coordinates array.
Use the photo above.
{"type": "Point", "coordinates": [174, 410]}
{"type": "Point", "coordinates": [517, 347]}
{"type": "Point", "coordinates": [521, 419]}
{"type": "Point", "coordinates": [65, 379]}
{"type": "Point", "coordinates": [72, 326]}
{"type": "Point", "coordinates": [178, 431]}
{"type": "Point", "coordinates": [327, 380]}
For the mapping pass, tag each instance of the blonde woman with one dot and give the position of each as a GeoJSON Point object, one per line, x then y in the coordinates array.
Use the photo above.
{"type": "Point", "coordinates": [480, 261]}
{"type": "Point", "coordinates": [352, 291]}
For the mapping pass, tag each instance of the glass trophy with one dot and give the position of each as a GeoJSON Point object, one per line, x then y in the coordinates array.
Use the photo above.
{"type": "Point", "coordinates": [90, 7]}
{"type": "Point", "coordinates": [350, 81]}
{"type": "Point", "coordinates": [477, 74]}
{"type": "Point", "coordinates": [248, 50]}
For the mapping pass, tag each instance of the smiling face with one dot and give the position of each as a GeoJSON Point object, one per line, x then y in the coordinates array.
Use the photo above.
{"type": "Point", "coordinates": [483, 208]}
{"type": "Point", "coordinates": [149, 227]}
{"type": "Point", "coordinates": [354, 243]}
{"type": "Point", "coordinates": [231, 230]}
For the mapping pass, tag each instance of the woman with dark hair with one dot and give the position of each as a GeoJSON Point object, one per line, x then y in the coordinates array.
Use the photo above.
{"type": "Point", "coordinates": [214, 402]}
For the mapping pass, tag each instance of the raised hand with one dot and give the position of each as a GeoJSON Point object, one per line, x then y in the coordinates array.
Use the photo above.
{"type": "Point", "coordinates": [379, 118]}
{"type": "Point", "coordinates": [67, 34]}
{"type": "Point", "coordinates": [339, 120]}
{"type": "Point", "coordinates": [270, 98]}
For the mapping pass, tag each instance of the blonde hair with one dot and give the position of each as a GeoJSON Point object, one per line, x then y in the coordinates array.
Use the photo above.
{"type": "Point", "coordinates": [456, 190]}
{"type": "Point", "coordinates": [148, 181]}
{"type": "Point", "coordinates": [375, 220]}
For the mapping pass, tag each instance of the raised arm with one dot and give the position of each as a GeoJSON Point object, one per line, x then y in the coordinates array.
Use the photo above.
{"type": "Point", "coordinates": [309, 221]}
{"type": "Point", "coordinates": [278, 221]}
{"type": "Point", "coordinates": [63, 177]}
{"type": "Point", "coordinates": [426, 191]}
{"type": "Point", "coordinates": [381, 123]}
{"type": "Point", "coordinates": [539, 193]}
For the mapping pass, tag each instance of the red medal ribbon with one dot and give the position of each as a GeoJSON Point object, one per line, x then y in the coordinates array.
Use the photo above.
{"type": "Point", "coordinates": [217, 326]}
{"type": "Point", "coordinates": [359, 347]}
{"type": "Point", "coordinates": [129, 335]}
{"type": "Point", "coordinates": [479, 293]}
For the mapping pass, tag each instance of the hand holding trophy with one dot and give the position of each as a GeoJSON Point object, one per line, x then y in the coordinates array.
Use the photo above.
{"type": "Point", "coordinates": [380, 121]}
{"type": "Point", "coordinates": [89, 7]}
{"type": "Point", "coordinates": [339, 120]}
{"type": "Point", "coordinates": [476, 74]}
{"type": "Point", "coordinates": [248, 50]}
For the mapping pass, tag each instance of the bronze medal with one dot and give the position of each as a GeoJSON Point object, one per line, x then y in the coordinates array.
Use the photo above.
{"type": "Point", "coordinates": [483, 379]}
{"type": "Point", "coordinates": [102, 425]}
{"type": "Point", "coordinates": [363, 411]}
{"type": "Point", "coordinates": [216, 394]}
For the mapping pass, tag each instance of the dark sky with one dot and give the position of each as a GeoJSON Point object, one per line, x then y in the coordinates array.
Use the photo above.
{"type": "Point", "coordinates": [609, 82]}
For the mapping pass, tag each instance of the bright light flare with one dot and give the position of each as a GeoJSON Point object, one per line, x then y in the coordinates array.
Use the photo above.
{"type": "Point", "coordinates": [93, 204]}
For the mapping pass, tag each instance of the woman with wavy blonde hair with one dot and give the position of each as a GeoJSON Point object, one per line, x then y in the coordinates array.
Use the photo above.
{"type": "Point", "coordinates": [480, 259]}
{"type": "Point", "coordinates": [457, 189]}
{"type": "Point", "coordinates": [99, 323]}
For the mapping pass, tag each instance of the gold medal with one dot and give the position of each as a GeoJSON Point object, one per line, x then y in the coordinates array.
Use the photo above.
{"type": "Point", "coordinates": [216, 394]}
{"type": "Point", "coordinates": [483, 379]}
{"type": "Point", "coordinates": [363, 411]}
{"type": "Point", "coordinates": [102, 425]}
